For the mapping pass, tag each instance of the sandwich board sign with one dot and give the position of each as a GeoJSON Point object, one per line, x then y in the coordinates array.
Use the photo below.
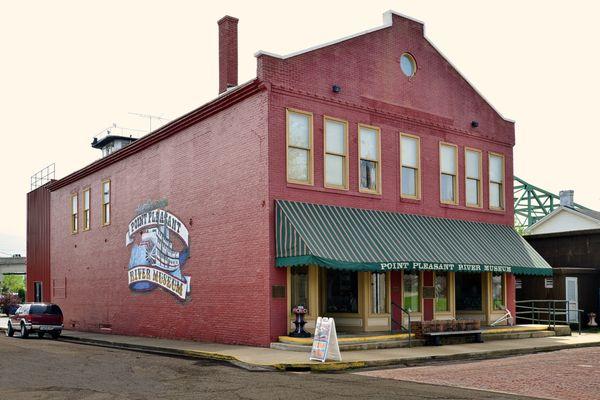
{"type": "Point", "coordinates": [325, 344]}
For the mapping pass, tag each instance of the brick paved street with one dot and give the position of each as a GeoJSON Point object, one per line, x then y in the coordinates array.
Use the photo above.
{"type": "Point", "coordinates": [567, 374]}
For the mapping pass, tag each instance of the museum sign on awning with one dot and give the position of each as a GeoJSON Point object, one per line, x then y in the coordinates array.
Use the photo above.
{"type": "Point", "coordinates": [367, 240]}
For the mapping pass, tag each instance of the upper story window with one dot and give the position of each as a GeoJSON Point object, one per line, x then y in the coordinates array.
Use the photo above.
{"type": "Point", "coordinates": [74, 213]}
{"type": "Point", "coordinates": [369, 153]}
{"type": "Point", "coordinates": [106, 202]}
{"type": "Point", "coordinates": [448, 173]}
{"type": "Point", "coordinates": [86, 209]}
{"type": "Point", "coordinates": [299, 147]}
{"type": "Point", "coordinates": [336, 153]}
{"type": "Point", "coordinates": [410, 163]}
{"type": "Point", "coordinates": [473, 177]}
{"type": "Point", "coordinates": [496, 181]}
{"type": "Point", "coordinates": [408, 65]}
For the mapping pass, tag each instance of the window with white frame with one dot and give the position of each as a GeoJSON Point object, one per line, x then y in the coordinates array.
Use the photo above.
{"type": "Point", "coordinates": [299, 147]}
{"type": "Point", "coordinates": [473, 177]}
{"type": "Point", "coordinates": [336, 153]}
{"type": "Point", "coordinates": [496, 168]}
{"type": "Point", "coordinates": [410, 174]}
{"type": "Point", "coordinates": [448, 173]}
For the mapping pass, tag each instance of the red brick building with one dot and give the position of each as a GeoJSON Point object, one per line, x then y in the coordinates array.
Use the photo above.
{"type": "Point", "coordinates": [378, 126]}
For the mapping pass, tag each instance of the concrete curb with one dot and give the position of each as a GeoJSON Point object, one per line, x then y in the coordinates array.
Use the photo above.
{"type": "Point", "coordinates": [319, 367]}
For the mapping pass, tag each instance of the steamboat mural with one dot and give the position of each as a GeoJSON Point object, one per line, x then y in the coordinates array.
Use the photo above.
{"type": "Point", "coordinates": [159, 250]}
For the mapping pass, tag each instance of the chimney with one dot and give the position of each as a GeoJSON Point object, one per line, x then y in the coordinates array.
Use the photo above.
{"type": "Point", "coordinates": [566, 198]}
{"type": "Point", "coordinates": [228, 53]}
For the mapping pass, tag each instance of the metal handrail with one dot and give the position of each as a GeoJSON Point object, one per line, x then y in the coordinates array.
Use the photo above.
{"type": "Point", "coordinates": [529, 311]}
{"type": "Point", "coordinates": [403, 311]}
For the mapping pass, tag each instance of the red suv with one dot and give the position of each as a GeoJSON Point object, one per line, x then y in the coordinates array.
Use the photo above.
{"type": "Point", "coordinates": [36, 317]}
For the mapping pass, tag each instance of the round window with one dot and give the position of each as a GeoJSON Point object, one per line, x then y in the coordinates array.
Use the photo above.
{"type": "Point", "coordinates": [408, 65]}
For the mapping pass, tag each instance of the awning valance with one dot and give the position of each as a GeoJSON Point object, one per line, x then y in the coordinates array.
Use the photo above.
{"type": "Point", "coordinates": [368, 240]}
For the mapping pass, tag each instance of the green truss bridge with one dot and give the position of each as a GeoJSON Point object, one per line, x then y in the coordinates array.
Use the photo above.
{"type": "Point", "coordinates": [533, 203]}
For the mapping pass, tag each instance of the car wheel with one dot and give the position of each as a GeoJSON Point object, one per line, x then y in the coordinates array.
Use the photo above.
{"type": "Point", "coordinates": [24, 332]}
{"type": "Point", "coordinates": [41, 335]}
{"type": "Point", "coordinates": [10, 331]}
{"type": "Point", "coordinates": [55, 334]}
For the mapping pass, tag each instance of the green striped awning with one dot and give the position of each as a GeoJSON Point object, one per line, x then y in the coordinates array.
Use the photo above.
{"type": "Point", "coordinates": [367, 240]}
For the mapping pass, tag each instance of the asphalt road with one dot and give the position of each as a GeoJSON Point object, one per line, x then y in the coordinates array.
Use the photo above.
{"type": "Point", "coordinates": [46, 369]}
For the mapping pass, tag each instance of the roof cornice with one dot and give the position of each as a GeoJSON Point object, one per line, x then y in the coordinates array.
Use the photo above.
{"type": "Point", "coordinates": [222, 102]}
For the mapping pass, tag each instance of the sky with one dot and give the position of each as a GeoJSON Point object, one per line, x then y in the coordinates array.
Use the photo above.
{"type": "Point", "coordinates": [69, 69]}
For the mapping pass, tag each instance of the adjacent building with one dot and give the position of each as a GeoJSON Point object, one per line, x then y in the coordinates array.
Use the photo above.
{"type": "Point", "coordinates": [354, 178]}
{"type": "Point", "coordinates": [569, 239]}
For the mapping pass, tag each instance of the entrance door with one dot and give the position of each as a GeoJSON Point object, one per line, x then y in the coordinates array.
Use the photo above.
{"type": "Point", "coordinates": [37, 292]}
{"type": "Point", "coordinates": [572, 303]}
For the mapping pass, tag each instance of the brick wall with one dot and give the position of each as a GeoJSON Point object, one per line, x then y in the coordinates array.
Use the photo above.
{"type": "Point", "coordinates": [436, 104]}
{"type": "Point", "coordinates": [213, 175]}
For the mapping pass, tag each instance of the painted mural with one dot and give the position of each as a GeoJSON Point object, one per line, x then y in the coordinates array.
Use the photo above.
{"type": "Point", "coordinates": [159, 250]}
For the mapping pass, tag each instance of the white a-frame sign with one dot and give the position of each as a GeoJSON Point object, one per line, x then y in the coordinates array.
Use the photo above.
{"type": "Point", "coordinates": [325, 343]}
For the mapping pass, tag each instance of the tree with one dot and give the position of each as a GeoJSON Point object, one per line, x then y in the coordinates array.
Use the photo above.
{"type": "Point", "coordinates": [12, 284]}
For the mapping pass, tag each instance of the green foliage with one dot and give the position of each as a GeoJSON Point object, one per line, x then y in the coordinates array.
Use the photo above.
{"type": "Point", "coordinates": [12, 284]}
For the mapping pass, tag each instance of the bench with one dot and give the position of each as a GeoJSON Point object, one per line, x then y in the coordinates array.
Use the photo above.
{"type": "Point", "coordinates": [435, 338]}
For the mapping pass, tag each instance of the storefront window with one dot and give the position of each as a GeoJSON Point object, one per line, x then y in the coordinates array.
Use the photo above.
{"type": "Point", "coordinates": [378, 290]}
{"type": "Point", "coordinates": [299, 287]}
{"type": "Point", "coordinates": [342, 291]}
{"type": "Point", "coordinates": [412, 299]}
{"type": "Point", "coordinates": [468, 292]}
{"type": "Point", "coordinates": [441, 292]}
{"type": "Point", "coordinates": [498, 291]}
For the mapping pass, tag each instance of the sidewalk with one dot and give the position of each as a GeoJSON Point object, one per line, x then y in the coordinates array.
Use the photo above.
{"type": "Point", "coordinates": [258, 358]}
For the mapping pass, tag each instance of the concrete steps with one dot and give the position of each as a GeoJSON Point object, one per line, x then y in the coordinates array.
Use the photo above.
{"type": "Point", "coordinates": [390, 341]}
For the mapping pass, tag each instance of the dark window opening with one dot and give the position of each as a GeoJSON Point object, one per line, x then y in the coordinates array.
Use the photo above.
{"type": "Point", "coordinates": [342, 291]}
{"type": "Point", "coordinates": [468, 292]}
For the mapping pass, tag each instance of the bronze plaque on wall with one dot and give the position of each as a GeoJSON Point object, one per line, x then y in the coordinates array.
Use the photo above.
{"type": "Point", "coordinates": [428, 292]}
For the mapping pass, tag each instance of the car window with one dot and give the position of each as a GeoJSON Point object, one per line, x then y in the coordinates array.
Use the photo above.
{"type": "Point", "coordinates": [18, 310]}
{"type": "Point", "coordinates": [51, 309]}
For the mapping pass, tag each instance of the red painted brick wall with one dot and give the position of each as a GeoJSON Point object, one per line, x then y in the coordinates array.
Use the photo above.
{"type": "Point", "coordinates": [222, 175]}
{"type": "Point", "coordinates": [228, 52]}
{"type": "Point", "coordinates": [214, 176]}
{"type": "Point", "coordinates": [38, 242]}
{"type": "Point", "coordinates": [436, 104]}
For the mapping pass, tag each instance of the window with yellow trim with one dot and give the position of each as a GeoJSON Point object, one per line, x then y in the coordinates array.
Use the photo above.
{"type": "Point", "coordinates": [498, 301]}
{"type": "Point", "coordinates": [473, 177]}
{"type": "Point", "coordinates": [74, 213]}
{"type": "Point", "coordinates": [448, 173]}
{"type": "Point", "coordinates": [106, 203]}
{"type": "Point", "coordinates": [496, 169]}
{"type": "Point", "coordinates": [86, 209]}
{"type": "Point", "coordinates": [441, 292]}
{"type": "Point", "coordinates": [336, 153]}
{"type": "Point", "coordinates": [378, 293]}
{"type": "Point", "coordinates": [299, 147]}
{"type": "Point", "coordinates": [410, 161]}
{"type": "Point", "coordinates": [369, 159]}
{"type": "Point", "coordinates": [411, 291]}
{"type": "Point", "coordinates": [299, 287]}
